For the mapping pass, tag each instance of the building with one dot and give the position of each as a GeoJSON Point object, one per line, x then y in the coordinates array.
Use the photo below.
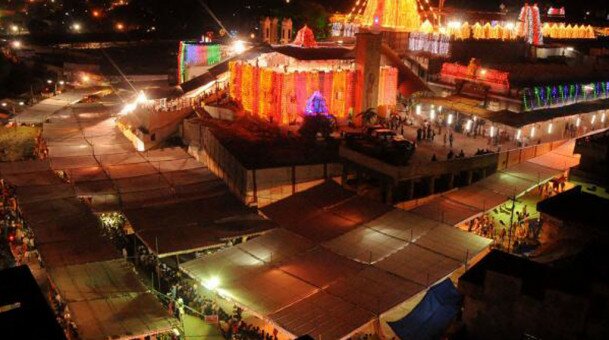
{"type": "Point", "coordinates": [594, 165]}
{"type": "Point", "coordinates": [509, 297]}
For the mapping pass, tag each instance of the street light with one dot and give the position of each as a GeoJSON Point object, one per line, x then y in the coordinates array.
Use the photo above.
{"type": "Point", "coordinates": [239, 47]}
{"type": "Point", "coordinates": [212, 283]}
{"type": "Point", "coordinates": [14, 28]}
{"type": "Point", "coordinates": [76, 27]}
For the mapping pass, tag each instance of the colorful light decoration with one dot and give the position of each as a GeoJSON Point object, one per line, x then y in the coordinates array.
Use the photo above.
{"type": "Point", "coordinates": [196, 54]}
{"type": "Point", "coordinates": [495, 31]}
{"type": "Point", "coordinates": [281, 95]}
{"type": "Point", "coordinates": [401, 15]}
{"type": "Point", "coordinates": [497, 80]}
{"type": "Point", "coordinates": [305, 38]}
{"type": "Point", "coordinates": [316, 105]}
{"type": "Point", "coordinates": [562, 31]}
{"type": "Point", "coordinates": [552, 95]}
{"type": "Point", "coordinates": [434, 43]}
{"type": "Point", "coordinates": [530, 25]}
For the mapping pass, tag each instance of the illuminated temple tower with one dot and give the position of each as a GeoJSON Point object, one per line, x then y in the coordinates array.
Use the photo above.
{"type": "Point", "coordinates": [399, 15]}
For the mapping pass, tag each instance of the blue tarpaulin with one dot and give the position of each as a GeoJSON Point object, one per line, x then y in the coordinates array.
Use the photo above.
{"type": "Point", "coordinates": [430, 318]}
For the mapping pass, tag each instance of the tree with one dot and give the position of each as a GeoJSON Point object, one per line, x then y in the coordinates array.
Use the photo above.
{"type": "Point", "coordinates": [369, 116]}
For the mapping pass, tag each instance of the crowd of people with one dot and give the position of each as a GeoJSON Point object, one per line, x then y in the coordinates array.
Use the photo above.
{"type": "Point", "coordinates": [182, 296]}
{"type": "Point", "coordinates": [62, 314]}
{"type": "Point", "coordinates": [21, 247]}
{"type": "Point", "coordinates": [14, 229]}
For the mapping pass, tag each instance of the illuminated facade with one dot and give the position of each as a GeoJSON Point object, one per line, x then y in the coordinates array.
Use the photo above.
{"type": "Point", "coordinates": [399, 15]}
{"type": "Point", "coordinates": [276, 87]}
{"type": "Point", "coordinates": [192, 54]}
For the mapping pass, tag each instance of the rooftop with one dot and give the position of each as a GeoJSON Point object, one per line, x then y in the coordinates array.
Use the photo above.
{"type": "Point", "coordinates": [536, 277]}
{"type": "Point", "coordinates": [576, 206]}
{"type": "Point", "coordinates": [257, 144]}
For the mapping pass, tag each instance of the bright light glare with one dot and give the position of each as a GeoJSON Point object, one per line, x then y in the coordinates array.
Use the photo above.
{"type": "Point", "coordinates": [16, 44]}
{"type": "Point", "coordinates": [418, 109]}
{"type": "Point", "coordinates": [492, 132]}
{"type": "Point", "coordinates": [533, 132]}
{"type": "Point", "coordinates": [468, 125]}
{"type": "Point", "coordinates": [141, 98]}
{"type": "Point", "coordinates": [450, 119]}
{"type": "Point", "coordinates": [510, 26]}
{"type": "Point", "coordinates": [85, 78]}
{"type": "Point", "coordinates": [518, 134]}
{"type": "Point", "coordinates": [550, 127]}
{"type": "Point", "coordinates": [212, 283]}
{"type": "Point", "coordinates": [128, 109]}
{"type": "Point", "coordinates": [239, 47]}
{"type": "Point", "coordinates": [578, 121]}
{"type": "Point", "coordinates": [432, 114]}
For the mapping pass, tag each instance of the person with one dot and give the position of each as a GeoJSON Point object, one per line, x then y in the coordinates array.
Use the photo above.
{"type": "Point", "coordinates": [461, 154]}
{"type": "Point", "coordinates": [445, 139]}
{"type": "Point", "coordinates": [434, 158]}
{"type": "Point", "coordinates": [451, 139]}
{"type": "Point", "coordinates": [419, 134]}
{"type": "Point", "coordinates": [429, 132]}
{"type": "Point", "coordinates": [450, 155]}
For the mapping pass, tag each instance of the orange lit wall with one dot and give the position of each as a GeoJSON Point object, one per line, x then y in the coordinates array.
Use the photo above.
{"type": "Point", "coordinates": [281, 97]}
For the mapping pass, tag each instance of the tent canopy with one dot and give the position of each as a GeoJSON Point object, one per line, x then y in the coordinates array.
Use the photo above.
{"type": "Point", "coordinates": [430, 318]}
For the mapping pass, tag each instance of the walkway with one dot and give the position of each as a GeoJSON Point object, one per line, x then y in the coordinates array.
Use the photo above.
{"type": "Point", "coordinates": [37, 114]}
{"type": "Point", "coordinates": [459, 206]}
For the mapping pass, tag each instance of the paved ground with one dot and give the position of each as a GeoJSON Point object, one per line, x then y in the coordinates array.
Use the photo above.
{"type": "Point", "coordinates": [195, 328]}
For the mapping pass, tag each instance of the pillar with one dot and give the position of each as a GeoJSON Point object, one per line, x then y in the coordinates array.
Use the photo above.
{"type": "Point", "coordinates": [265, 27]}
{"type": "Point", "coordinates": [389, 192]}
{"type": "Point", "coordinates": [286, 31]}
{"type": "Point", "coordinates": [470, 177]}
{"type": "Point", "coordinates": [432, 184]}
{"type": "Point", "coordinates": [367, 65]}
{"type": "Point", "coordinates": [451, 181]}
{"type": "Point", "coordinates": [410, 189]}
{"type": "Point", "coordinates": [344, 175]}
{"type": "Point", "coordinates": [275, 31]}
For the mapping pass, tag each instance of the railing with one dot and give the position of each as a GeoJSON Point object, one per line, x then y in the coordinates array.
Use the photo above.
{"type": "Point", "coordinates": [497, 161]}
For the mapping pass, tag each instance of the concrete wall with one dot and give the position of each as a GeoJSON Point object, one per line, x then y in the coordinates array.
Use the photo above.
{"type": "Point", "coordinates": [254, 186]}
{"type": "Point", "coordinates": [220, 112]}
